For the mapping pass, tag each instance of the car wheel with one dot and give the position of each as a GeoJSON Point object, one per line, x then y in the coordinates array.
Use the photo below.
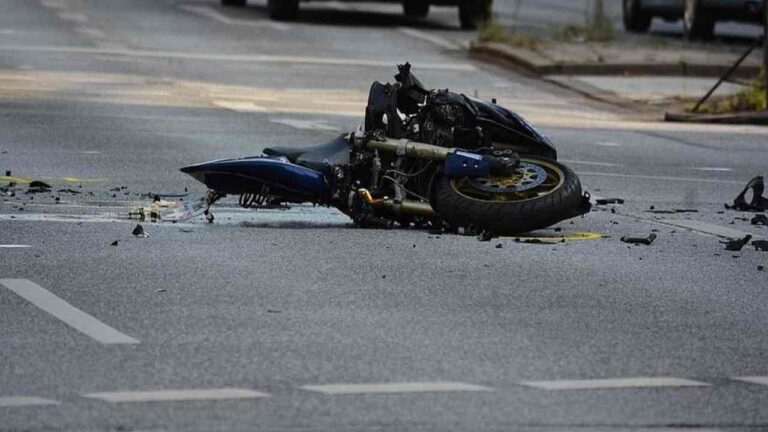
{"type": "Point", "coordinates": [635, 19]}
{"type": "Point", "coordinates": [472, 12]}
{"type": "Point", "coordinates": [285, 10]}
{"type": "Point", "coordinates": [697, 22]}
{"type": "Point", "coordinates": [237, 3]}
{"type": "Point", "coordinates": [416, 8]}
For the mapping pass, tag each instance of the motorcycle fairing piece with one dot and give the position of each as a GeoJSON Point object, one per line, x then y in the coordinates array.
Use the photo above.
{"type": "Point", "coordinates": [424, 158]}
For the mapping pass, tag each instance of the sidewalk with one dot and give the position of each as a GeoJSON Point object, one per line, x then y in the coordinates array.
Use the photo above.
{"type": "Point", "coordinates": [645, 73]}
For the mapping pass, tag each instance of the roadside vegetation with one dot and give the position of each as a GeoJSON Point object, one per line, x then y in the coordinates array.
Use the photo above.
{"type": "Point", "coordinates": [751, 98]}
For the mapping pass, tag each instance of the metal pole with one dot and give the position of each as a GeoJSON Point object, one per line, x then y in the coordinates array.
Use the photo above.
{"type": "Point", "coordinates": [727, 74]}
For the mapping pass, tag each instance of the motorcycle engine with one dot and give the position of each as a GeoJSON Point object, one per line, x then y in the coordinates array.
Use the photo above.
{"type": "Point", "coordinates": [448, 120]}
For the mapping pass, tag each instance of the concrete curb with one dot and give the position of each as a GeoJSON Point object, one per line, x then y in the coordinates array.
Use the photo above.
{"type": "Point", "coordinates": [509, 56]}
{"type": "Point", "coordinates": [751, 118]}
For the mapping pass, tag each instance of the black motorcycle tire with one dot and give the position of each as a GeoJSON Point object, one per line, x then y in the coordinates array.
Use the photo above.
{"type": "Point", "coordinates": [509, 217]}
{"type": "Point", "coordinates": [416, 8]}
{"type": "Point", "coordinates": [283, 10]}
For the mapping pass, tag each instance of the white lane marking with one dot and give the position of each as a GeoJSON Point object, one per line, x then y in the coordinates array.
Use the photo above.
{"type": "Point", "coordinates": [762, 380]}
{"type": "Point", "coordinates": [90, 32]}
{"type": "Point", "coordinates": [707, 228]}
{"type": "Point", "coordinates": [19, 401]}
{"type": "Point", "coordinates": [404, 387]}
{"type": "Point", "coordinates": [433, 39]}
{"type": "Point", "coordinates": [65, 312]}
{"type": "Point", "coordinates": [711, 169]}
{"type": "Point", "coordinates": [304, 124]}
{"type": "Point", "coordinates": [72, 17]}
{"type": "Point", "coordinates": [609, 144]}
{"type": "Point", "coordinates": [209, 12]}
{"type": "Point", "coordinates": [615, 383]}
{"type": "Point", "coordinates": [253, 58]}
{"type": "Point", "coordinates": [90, 152]}
{"type": "Point", "coordinates": [239, 106]}
{"type": "Point", "coordinates": [603, 164]}
{"type": "Point", "coordinates": [53, 4]}
{"type": "Point", "coordinates": [177, 395]}
{"type": "Point", "coordinates": [659, 178]}
{"type": "Point", "coordinates": [13, 246]}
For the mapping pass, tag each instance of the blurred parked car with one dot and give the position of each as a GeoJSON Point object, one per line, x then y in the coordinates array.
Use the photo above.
{"type": "Point", "coordinates": [699, 16]}
{"type": "Point", "coordinates": [470, 11]}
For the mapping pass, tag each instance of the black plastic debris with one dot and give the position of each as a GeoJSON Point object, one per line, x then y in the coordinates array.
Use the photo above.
{"type": "Point", "coordinates": [605, 201]}
{"type": "Point", "coordinates": [139, 231]}
{"type": "Point", "coordinates": [760, 245]}
{"type": "Point", "coordinates": [37, 186]}
{"type": "Point", "coordinates": [759, 220]}
{"type": "Point", "coordinates": [685, 210]}
{"type": "Point", "coordinates": [736, 245]}
{"type": "Point", "coordinates": [499, 246]}
{"type": "Point", "coordinates": [640, 240]}
{"type": "Point", "coordinates": [660, 211]}
{"type": "Point", "coordinates": [534, 241]}
{"type": "Point", "coordinates": [114, 243]}
{"type": "Point", "coordinates": [69, 191]}
{"type": "Point", "coordinates": [760, 268]}
{"type": "Point", "coordinates": [758, 202]}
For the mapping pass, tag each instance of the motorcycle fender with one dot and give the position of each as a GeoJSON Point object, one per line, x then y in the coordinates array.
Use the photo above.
{"type": "Point", "coordinates": [248, 175]}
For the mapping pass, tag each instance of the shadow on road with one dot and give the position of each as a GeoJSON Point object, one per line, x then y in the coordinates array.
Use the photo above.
{"type": "Point", "coordinates": [349, 18]}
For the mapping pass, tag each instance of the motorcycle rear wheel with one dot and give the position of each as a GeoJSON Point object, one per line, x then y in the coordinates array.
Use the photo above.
{"type": "Point", "coordinates": [507, 205]}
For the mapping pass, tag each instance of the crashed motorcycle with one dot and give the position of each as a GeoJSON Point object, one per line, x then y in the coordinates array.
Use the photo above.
{"type": "Point", "coordinates": [423, 158]}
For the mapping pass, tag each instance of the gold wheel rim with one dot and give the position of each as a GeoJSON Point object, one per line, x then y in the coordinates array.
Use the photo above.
{"type": "Point", "coordinates": [555, 180]}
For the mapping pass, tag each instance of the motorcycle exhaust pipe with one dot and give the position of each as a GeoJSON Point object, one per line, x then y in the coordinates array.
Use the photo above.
{"type": "Point", "coordinates": [409, 207]}
{"type": "Point", "coordinates": [404, 147]}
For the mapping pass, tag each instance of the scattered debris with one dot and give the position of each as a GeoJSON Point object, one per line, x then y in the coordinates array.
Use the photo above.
{"type": "Point", "coordinates": [499, 246]}
{"type": "Point", "coordinates": [534, 241]}
{"type": "Point", "coordinates": [759, 219]}
{"type": "Point", "coordinates": [161, 290]}
{"type": "Point", "coordinates": [485, 236]}
{"type": "Point", "coordinates": [758, 202]}
{"type": "Point", "coordinates": [114, 243]}
{"type": "Point", "coordinates": [139, 231]}
{"type": "Point", "coordinates": [604, 201]}
{"type": "Point", "coordinates": [660, 211]}
{"type": "Point", "coordinates": [760, 245]}
{"type": "Point", "coordinates": [685, 210]}
{"type": "Point", "coordinates": [273, 311]}
{"type": "Point", "coordinates": [760, 268]}
{"type": "Point", "coordinates": [37, 187]}
{"type": "Point", "coordinates": [640, 240]}
{"type": "Point", "coordinates": [736, 245]}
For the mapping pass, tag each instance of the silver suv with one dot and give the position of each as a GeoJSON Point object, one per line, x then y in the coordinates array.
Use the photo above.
{"type": "Point", "coordinates": [471, 12]}
{"type": "Point", "coordinates": [699, 16]}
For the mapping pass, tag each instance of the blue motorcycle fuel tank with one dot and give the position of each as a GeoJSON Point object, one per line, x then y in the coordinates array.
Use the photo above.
{"type": "Point", "coordinates": [248, 175]}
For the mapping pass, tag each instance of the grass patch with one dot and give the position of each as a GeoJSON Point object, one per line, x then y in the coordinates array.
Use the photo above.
{"type": "Point", "coordinates": [491, 31]}
{"type": "Point", "coordinates": [749, 99]}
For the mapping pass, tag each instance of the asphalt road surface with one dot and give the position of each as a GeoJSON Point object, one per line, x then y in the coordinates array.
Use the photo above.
{"type": "Point", "coordinates": [294, 320]}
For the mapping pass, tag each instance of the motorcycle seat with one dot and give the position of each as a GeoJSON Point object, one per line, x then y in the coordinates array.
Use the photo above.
{"type": "Point", "coordinates": [318, 157]}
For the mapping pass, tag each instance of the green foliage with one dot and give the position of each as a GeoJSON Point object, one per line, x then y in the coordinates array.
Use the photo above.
{"type": "Point", "coordinates": [750, 99]}
{"type": "Point", "coordinates": [491, 31]}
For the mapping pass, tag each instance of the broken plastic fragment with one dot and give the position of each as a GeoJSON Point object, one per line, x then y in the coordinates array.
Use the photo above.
{"type": "Point", "coordinates": [640, 240]}
{"type": "Point", "coordinates": [604, 201]}
{"type": "Point", "coordinates": [736, 245]}
{"type": "Point", "coordinates": [760, 245]}
{"type": "Point", "coordinates": [758, 202]}
{"type": "Point", "coordinates": [759, 219]}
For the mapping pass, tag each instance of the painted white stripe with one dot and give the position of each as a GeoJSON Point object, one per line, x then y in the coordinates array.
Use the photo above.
{"type": "Point", "coordinates": [208, 12]}
{"type": "Point", "coordinates": [246, 58]}
{"type": "Point", "coordinates": [304, 124]}
{"type": "Point", "coordinates": [711, 169]}
{"type": "Point", "coordinates": [404, 387]}
{"type": "Point", "coordinates": [433, 39]}
{"type": "Point", "coordinates": [659, 178]}
{"type": "Point", "coordinates": [65, 312]}
{"type": "Point", "coordinates": [762, 380]}
{"type": "Point", "coordinates": [72, 17]}
{"type": "Point", "coordinates": [53, 4]}
{"type": "Point", "coordinates": [90, 32]}
{"type": "Point", "coordinates": [609, 144]}
{"type": "Point", "coordinates": [13, 246]}
{"type": "Point", "coordinates": [177, 395]}
{"type": "Point", "coordinates": [707, 228]}
{"type": "Point", "coordinates": [239, 106]}
{"type": "Point", "coordinates": [615, 383]}
{"type": "Point", "coordinates": [603, 164]}
{"type": "Point", "coordinates": [19, 401]}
